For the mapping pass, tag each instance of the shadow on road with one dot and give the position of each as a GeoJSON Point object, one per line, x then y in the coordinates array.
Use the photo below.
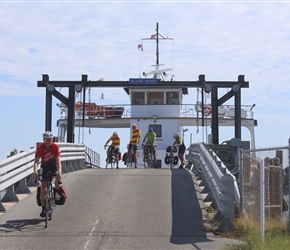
{"type": "Point", "coordinates": [22, 225]}
{"type": "Point", "coordinates": [187, 221]}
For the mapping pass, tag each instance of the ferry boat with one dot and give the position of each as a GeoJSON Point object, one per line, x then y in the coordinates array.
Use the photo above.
{"type": "Point", "coordinates": [157, 107]}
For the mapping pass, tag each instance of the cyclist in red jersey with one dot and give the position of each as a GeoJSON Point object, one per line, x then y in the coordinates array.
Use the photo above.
{"type": "Point", "coordinates": [49, 153]}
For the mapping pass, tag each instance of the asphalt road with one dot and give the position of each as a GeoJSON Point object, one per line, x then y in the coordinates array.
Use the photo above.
{"type": "Point", "coordinates": [115, 209]}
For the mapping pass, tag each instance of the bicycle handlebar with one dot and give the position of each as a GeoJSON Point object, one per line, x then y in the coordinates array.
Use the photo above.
{"type": "Point", "coordinates": [107, 146]}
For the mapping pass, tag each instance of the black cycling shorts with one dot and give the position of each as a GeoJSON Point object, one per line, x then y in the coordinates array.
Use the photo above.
{"type": "Point", "coordinates": [148, 146]}
{"type": "Point", "coordinates": [46, 167]}
{"type": "Point", "coordinates": [116, 150]}
{"type": "Point", "coordinates": [181, 150]}
{"type": "Point", "coordinates": [132, 146]}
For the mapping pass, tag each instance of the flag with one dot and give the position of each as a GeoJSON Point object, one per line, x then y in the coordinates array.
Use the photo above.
{"type": "Point", "coordinates": [140, 47]}
{"type": "Point", "coordinates": [153, 36]}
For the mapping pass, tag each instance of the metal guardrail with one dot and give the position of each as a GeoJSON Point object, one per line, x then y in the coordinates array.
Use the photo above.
{"type": "Point", "coordinates": [16, 171]}
{"type": "Point", "coordinates": [92, 158]}
{"type": "Point", "coordinates": [219, 181]}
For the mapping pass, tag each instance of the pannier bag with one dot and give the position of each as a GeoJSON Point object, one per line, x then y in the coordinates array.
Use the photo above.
{"type": "Point", "coordinates": [173, 148]}
{"type": "Point", "coordinates": [167, 159]}
{"type": "Point", "coordinates": [60, 196]}
{"type": "Point", "coordinates": [124, 158]}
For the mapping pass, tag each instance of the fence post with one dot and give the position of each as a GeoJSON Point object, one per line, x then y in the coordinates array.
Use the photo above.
{"type": "Point", "coordinates": [289, 185]}
{"type": "Point", "coordinates": [262, 199]}
{"type": "Point", "coordinates": [241, 176]}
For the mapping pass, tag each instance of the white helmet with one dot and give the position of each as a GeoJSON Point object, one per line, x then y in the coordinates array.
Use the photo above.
{"type": "Point", "coordinates": [175, 136]}
{"type": "Point", "coordinates": [47, 135]}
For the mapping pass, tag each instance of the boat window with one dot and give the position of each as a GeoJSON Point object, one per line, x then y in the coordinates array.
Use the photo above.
{"type": "Point", "coordinates": [138, 98]}
{"type": "Point", "coordinates": [157, 128]}
{"type": "Point", "coordinates": [155, 97]}
{"type": "Point", "coordinates": [172, 97]}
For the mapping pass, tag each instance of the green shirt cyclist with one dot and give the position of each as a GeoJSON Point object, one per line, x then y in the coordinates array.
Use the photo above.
{"type": "Point", "coordinates": [150, 139]}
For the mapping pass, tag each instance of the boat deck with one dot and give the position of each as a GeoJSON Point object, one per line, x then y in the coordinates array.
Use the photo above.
{"type": "Point", "coordinates": [125, 122]}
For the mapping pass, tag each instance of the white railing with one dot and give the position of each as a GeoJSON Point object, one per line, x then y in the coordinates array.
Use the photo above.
{"type": "Point", "coordinates": [186, 111]}
{"type": "Point", "coordinates": [219, 181]}
{"type": "Point", "coordinates": [16, 171]}
{"type": "Point", "coordinates": [92, 158]}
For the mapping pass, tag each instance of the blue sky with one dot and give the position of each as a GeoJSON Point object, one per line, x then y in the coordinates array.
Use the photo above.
{"type": "Point", "coordinates": [65, 39]}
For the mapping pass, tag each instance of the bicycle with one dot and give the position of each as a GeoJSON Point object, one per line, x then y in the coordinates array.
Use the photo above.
{"type": "Point", "coordinates": [149, 156]}
{"type": "Point", "coordinates": [111, 158]}
{"type": "Point", "coordinates": [49, 196]}
{"type": "Point", "coordinates": [170, 158]}
{"type": "Point", "coordinates": [130, 158]}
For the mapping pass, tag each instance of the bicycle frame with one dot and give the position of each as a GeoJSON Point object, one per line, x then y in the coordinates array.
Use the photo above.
{"type": "Point", "coordinates": [49, 201]}
{"type": "Point", "coordinates": [111, 159]}
{"type": "Point", "coordinates": [49, 196]}
{"type": "Point", "coordinates": [130, 159]}
{"type": "Point", "coordinates": [172, 157]}
{"type": "Point", "coordinates": [149, 158]}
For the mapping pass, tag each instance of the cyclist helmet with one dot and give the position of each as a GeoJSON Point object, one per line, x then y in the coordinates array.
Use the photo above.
{"type": "Point", "coordinates": [150, 130]}
{"type": "Point", "coordinates": [175, 136]}
{"type": "Point", "coordinates": [47, 135]}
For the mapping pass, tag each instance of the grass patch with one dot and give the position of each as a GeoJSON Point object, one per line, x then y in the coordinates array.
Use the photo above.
{"type": "Point", "coordinates": [248, 230]}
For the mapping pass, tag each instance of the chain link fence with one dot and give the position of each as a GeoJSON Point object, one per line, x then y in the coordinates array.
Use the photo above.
{"type": "Point", "coordinates": [264, 179]}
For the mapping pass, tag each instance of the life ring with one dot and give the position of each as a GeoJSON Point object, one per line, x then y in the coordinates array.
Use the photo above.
{"type": "Point", "coordinates": [207, 111]}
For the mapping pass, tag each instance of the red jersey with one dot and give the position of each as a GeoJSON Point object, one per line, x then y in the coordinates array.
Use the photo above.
{"type": "Point", "coordinates": [47, 155]}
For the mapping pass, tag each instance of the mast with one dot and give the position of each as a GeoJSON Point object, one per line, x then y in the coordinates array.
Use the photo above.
{"type": "Point", "coordinates": [157, 46]}
{"type": "Point", "coordinates": [157, 73]}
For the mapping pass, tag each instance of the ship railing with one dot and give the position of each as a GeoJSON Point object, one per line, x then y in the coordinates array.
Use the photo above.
{"type": "Point", "coordinates": [224, 111]}
{"type": "Point", "coordinates": [186, 111]}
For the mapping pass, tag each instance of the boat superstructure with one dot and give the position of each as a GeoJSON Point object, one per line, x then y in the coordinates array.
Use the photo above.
{"type": "Point", "coordinates": [158, 103]}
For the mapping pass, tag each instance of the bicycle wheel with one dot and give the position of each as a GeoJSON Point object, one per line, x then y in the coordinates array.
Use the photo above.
{"type": "Point", "coordinates": [148, 157]}
{"type": "Point", "coordinates": [113, 162]}
{"type": "Point", "coordinates": [109, 161]}
{"type": "Point", "coordinates": [129, 162]}
{"type": "Point", "coordinates": [47, 204]}
{"type": "Point", "coordinates": [46, 213]}
{"type": "Point", "coordinates": [171, 160]}
{"type": "Point", "coordinates": [148, 162]}
{"type": "Point", "coordinates": [49, 201]}
{"type": "Point", "coordinates": [50, 209]}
